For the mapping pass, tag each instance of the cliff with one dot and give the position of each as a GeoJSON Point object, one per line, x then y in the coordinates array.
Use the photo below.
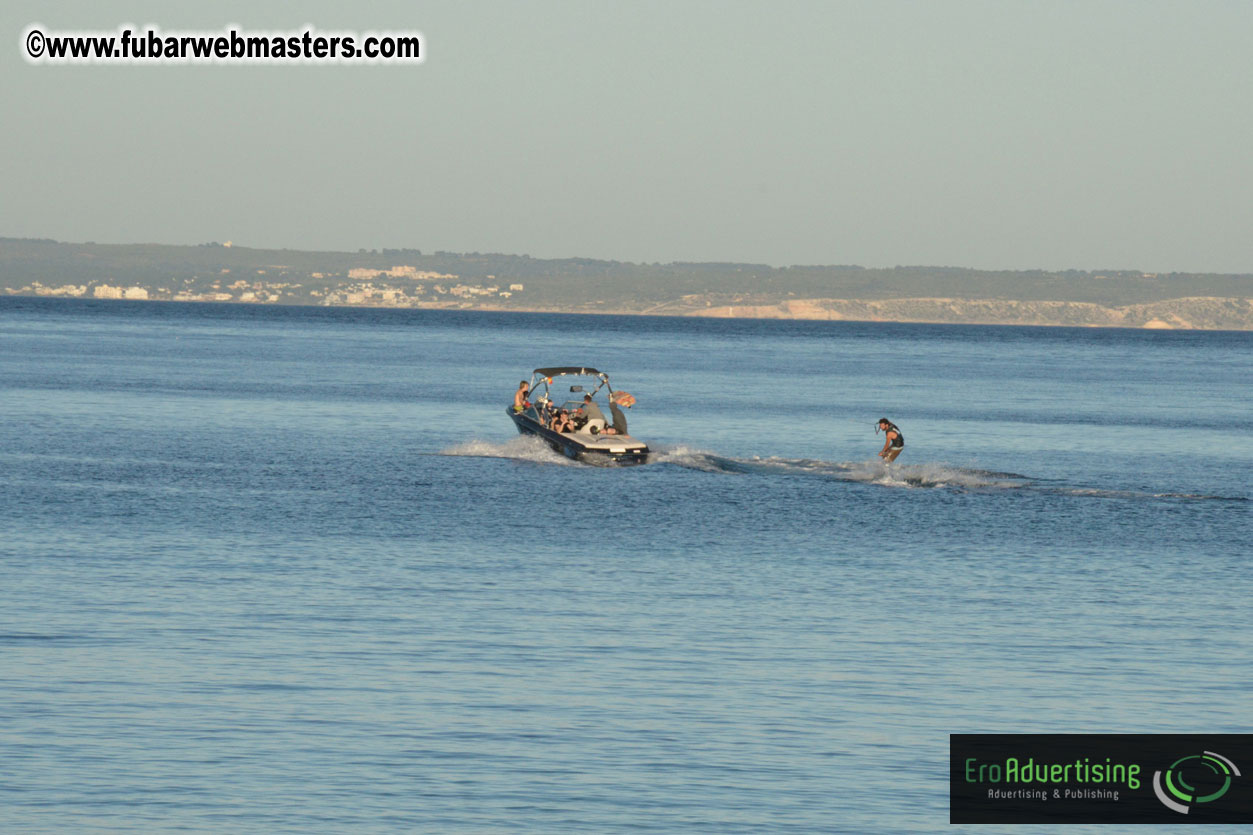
{"type": "Point", "coordinates": [1185, 313]}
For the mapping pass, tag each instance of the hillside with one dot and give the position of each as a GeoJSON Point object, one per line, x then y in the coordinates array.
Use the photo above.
{"type": "Point", "coordinates": [414, 279]}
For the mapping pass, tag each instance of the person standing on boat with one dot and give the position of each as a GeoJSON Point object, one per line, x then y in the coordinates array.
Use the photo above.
{"type": "Point", "coordinates": [894, 440]}
{"type": "Point", "coordinates": [520, 396]}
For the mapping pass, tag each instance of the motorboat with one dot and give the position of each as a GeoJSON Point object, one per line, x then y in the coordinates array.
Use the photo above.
{"type": "Point", "coordinates": [554, 389]}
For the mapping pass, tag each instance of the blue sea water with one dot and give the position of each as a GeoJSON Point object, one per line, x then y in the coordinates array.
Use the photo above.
{"type": "Point", "coordinates": [292, 570]}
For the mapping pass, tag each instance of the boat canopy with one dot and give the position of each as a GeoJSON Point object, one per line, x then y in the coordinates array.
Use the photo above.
{"type": "Point", "coordinates": [557, 372]}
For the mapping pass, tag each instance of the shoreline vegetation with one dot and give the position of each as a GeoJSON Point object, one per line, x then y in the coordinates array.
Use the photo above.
{"type": "Point", "coordinates": [412, 279]}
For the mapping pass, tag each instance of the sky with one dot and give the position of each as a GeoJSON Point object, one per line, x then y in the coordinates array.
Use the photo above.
{"type": "Point", "coordinates": [996, 135]}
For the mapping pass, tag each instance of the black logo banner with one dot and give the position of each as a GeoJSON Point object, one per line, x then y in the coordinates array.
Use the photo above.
{"type": "Point", "coordinates": [1101, 778]}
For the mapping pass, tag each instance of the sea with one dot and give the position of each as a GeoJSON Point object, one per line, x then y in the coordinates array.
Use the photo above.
{"type": "Point", "coordinates": [269, 569]}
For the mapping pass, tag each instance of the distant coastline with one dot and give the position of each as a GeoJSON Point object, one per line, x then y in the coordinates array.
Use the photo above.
{"type": "Point", "coordinates": [411, 279]}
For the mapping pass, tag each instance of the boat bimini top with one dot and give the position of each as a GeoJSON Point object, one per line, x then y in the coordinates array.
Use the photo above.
{"type": "Point", "coordinates": [544, 377]}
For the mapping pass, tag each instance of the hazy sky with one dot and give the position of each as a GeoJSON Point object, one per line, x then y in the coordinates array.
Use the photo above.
{"type": "Point", "coordinates": [1085, 134]}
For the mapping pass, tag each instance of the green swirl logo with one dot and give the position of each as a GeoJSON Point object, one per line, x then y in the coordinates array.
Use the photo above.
{"type": "Point", "coordinates": [1193, 780]}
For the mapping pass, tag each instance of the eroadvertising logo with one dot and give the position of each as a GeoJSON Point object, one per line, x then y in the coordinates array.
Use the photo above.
{"type": "Point", "coordinates": [1100, 778]}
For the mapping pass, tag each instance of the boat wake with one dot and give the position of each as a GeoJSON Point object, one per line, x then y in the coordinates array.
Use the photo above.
{"type": "Point", "coordinates": [909, 476]}
{"type": "Point", "coordinates": [526, 448]}
{"type": "Point", "coordinates": [532, 450]}
{"type": "Point", "coordinates": [1141, 494]}
{"type": "Point", "coordinates": [864, 472]}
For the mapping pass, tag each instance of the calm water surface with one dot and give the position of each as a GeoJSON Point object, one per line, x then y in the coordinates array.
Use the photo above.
{"type": "Point", "coordinates": [291, 570]}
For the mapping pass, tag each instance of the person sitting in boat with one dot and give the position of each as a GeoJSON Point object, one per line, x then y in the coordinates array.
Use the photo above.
{"type": "Point", "coordinates": [562, 422]}
{"type": "Point", "coordinates": [520, 397]}
{"type": "Point", "coordinates": [590, 410]}
{"type": "Point", "coordinates": [619, 425]}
